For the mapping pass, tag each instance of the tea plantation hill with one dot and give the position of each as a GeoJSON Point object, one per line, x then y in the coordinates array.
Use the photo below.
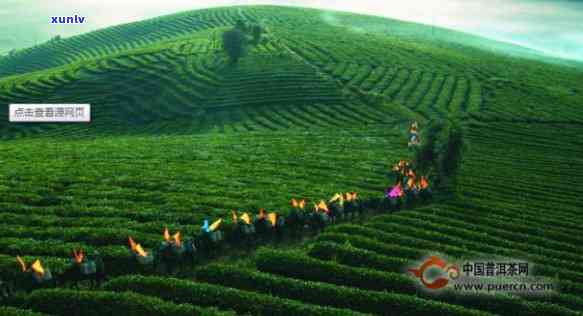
{"type": "Point", "coordinates": [312, 64]}
{"type": "Point", "coordinates": [320, 106]}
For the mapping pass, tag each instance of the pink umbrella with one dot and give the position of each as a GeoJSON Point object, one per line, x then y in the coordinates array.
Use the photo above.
{"type": "Point", "coordinates": [396, 191]}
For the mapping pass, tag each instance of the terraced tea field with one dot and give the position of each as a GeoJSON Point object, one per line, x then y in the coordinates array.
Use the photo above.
{"type": "Point", "coordinates": [360, 267]}
{"type": "Point", "coordinates": [321, 105]}
{"type": "Point", "coordinates": [142, 184]}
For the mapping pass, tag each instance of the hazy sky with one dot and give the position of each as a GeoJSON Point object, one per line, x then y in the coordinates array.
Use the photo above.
{"type": "Point", "coordinates": [552, 26]}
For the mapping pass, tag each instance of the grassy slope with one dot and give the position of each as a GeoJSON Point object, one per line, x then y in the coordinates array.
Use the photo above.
{"type": "Point", "coordinates": [314, 110]}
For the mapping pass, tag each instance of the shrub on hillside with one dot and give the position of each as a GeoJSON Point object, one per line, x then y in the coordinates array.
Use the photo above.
{"type": "Point", "coordinates": [452, 154]}
{"type": "Point", "coordinates": [427, 155]}
{"type": "Point", "coordinates": [234, 44]}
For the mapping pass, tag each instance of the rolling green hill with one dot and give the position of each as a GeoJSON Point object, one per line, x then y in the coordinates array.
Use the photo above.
{"type": "Point", "coordinates": [172, 69]}
{"type": "Point", "coordinates": [321, 105]}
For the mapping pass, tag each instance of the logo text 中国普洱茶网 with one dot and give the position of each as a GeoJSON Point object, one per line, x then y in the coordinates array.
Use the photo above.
{"type": "Point", "coordinates": [435, 273]}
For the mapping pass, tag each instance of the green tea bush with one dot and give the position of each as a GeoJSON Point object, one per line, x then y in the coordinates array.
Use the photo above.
{"type": "Point", "coordinates": [385, 303]}
{"type": "Point", "coordinates": [11, 311]}
{"type": "Point", "coordinates": [65, 302]}
{"type": "Point", "coordinates": [296, 265]}
{"type": "Point", "coordinates": [182, 291]}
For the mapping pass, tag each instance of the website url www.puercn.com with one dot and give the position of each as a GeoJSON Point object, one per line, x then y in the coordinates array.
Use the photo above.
{"type": "Point", "coordinates": [505, 287]}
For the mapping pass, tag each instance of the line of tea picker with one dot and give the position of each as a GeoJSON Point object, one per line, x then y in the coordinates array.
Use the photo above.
{"type": "Point", "coordinates": [242, 229]}
{"type": "Point", "coordinates": [409, 190]}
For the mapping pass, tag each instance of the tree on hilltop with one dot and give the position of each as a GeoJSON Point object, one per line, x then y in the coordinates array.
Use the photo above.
{"type": "Point", "coordinates": [235, 40]}
{"type": "Point", "coordinates": [234, 44]}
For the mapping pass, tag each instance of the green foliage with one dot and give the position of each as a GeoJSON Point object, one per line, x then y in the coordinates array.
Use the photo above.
{"type": "Point", "coordinates": [426, 159]}
{"type": "Point", "coordinates": [368, 243]}
{"type": "Point", "coordinates": [451, 156]}
{"type": "Point", "coordinates": [234, 44]}
{"type": "Point", "coordinates": [102, 206]}
{"type": "Point", "coordinates": [441, 152]}
{"type": "Point", "coordinates": [357, 257]}
{"type": "Point", "coordinates": [11, 311]}
{"type": "Point", "coordinates": [93, 303]}
{"type": "Point", "coordinates": [307, 113]}
{"type": "Point", "coordinates": [297, 265]}
{"type": "Point", "coordinates": [182, 291]}
{"type": "Point", "coordinates": [91, 236]}
{"type": "Point", "coordinates": [256, 32]}
{"type": "Point", "coordinates": [385, 303]}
